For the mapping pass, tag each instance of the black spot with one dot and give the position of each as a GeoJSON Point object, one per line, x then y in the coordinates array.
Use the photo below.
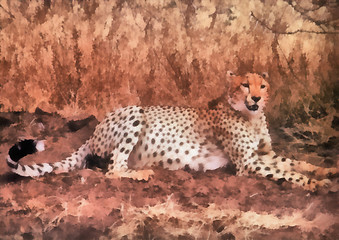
{"type": "Point", "coordinates": [153, 141]}
{"type": "Point", "coordinates": [30, 167]}
{"type": "Point", "coordinates": [283, 159]}
{"type": "Point", "coordinates": [262, 153]}
{"type": "Point", "coordinates": [141, 111]}
{"type": "Point", "coordinates": [267, 168]}
{"type": "Point", "coordinates": [162, 153]}
{"type": "Point", "coordinates": [177, 160]}
{"type": "Point", "coordinates": [187, 152]}
{"type": "Point", "coordinates": [128, 140]}
{"type": "Point", "coordinates": [131, 118]}
{"type": "Point", "coordinates": [169, 161]}
{"type": "Point", "coordinates": [257, 168]}
{"type": "Point", "coordinates": [269, 175]}
{"type": "Point", "coordinates": [277, 171]}
{"type": "Point", "coordinates": [122, 149]}
{"type": "Point", "coordinates": [136, 123]}
{"type": "Point", "coordinates": [155, 154]}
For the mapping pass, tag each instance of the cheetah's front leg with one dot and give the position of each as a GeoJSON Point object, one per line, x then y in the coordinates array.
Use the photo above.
{"type": "Point", "coordinates": [271, 167]}
{"type": "Point", "coordinates": [320, 172]}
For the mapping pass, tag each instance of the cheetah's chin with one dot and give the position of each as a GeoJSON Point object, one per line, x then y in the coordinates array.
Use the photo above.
{"type": "Point", "coordinates": [253, 107]}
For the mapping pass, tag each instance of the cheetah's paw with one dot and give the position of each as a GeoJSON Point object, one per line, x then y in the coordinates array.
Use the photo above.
{"type": "Point", "coordinates": [142, 175]}
{"type": "Point", "coordinates": [328, 172]}
{"type": "Point", "coordinates": [315, 185]}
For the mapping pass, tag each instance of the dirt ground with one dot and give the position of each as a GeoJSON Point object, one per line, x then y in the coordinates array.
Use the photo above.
{"type": "Point", "coordinates": [172, 205]}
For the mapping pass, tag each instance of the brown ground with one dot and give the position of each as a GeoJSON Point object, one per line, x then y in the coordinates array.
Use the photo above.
{"type": "Point", "coordinates": [172, 205]}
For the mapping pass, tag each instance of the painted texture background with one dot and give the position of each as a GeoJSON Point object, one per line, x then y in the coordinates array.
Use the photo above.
{"type": "Point", "coordinates": [78, 57]}
{"type": "Point", "coordinates": [81, 58]}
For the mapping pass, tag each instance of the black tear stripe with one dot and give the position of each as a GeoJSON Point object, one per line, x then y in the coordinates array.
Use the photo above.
{"type": "Point", "coordinates": [21, 149]}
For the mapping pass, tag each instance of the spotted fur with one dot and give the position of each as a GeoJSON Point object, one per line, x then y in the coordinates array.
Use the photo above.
{"type": "Point", "coordinates": [136, 138]}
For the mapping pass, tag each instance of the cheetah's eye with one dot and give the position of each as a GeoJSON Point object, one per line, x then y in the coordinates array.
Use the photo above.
{"type": "Point", "coordinates": [246, 85]}
{"type": "Point", "coordinates": [262, 86]}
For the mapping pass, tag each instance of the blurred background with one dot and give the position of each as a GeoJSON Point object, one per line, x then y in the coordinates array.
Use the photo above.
{"type": "Point", "coordinates": [79, 58]}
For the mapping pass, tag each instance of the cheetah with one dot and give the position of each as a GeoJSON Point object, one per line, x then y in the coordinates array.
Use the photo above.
{"type": "Point", "coordinates": [135, 138]}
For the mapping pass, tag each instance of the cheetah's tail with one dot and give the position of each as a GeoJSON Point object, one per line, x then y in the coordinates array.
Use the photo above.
{"type": "Point", "coordinates": [29, 146]}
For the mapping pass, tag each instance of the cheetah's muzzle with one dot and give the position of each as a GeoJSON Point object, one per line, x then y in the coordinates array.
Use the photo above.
{"type": "Point", "coordinates": [253, 107]}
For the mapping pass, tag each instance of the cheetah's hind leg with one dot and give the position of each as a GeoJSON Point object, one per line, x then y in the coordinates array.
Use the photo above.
{"type": "Point", "coordinates": [118, 168]}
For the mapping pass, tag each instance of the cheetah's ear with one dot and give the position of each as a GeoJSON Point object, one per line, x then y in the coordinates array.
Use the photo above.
{"type": "Point", "coordinates": [229, 75]}
{"type": "Point", "coordinates": [265, 75]}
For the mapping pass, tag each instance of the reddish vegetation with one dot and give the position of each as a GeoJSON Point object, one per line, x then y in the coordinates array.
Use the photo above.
{"type": "Point", "coordinates": [173, 205]}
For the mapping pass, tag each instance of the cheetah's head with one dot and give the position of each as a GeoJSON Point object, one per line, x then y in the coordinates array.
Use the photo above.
{"type": "Point", "coordinates": [248, 93]}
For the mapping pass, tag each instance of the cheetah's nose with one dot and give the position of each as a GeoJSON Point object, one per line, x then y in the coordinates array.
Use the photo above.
{"type": "Point", "coordinates": [256, 99]}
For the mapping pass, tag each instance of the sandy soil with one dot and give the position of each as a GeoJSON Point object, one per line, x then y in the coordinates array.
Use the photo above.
{"type": "Point", "coordinates": [172, 205]}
